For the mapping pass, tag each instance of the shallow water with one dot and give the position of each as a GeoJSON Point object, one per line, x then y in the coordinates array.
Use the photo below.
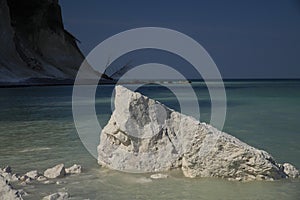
{"type": "Point", "coordinates": [37, 131]}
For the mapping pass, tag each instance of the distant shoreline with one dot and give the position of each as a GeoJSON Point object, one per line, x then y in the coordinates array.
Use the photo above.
{"type": "Point", "coordinates": [69, 82]}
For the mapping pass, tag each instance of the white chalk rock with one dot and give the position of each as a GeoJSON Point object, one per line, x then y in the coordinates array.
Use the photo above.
{"type": "Point", "coordinates": [57, 171]}
{"type": "Point", "coordinates": [48, 182]}
{"type": "Point", "coordinates": [7, 192]}
{"type": "Point", "coordinates": [32, 174]}
{"type": "Point", "coordinates": [75, 169]}
{"type": "Point", "coordinates": [7, 174]}
{"type": "Point", "coordinates": [15, 177]}
{"type": "Point", "coordinates": [41, 178]}
{"type": "Point", "coordinates": [57, 196]}
{"type": "Point", "coordinates": [24, 178]}
{"type": "Point", "coordinates": [143, 135]}
{"type": "Point", "coordinates": [290, 170]}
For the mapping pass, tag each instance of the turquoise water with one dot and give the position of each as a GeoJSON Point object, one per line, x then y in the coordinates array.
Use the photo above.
{"type": "Point", "coordinates": [37, 131]}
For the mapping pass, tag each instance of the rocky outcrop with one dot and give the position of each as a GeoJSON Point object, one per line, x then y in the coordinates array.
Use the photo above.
{"type": "Point", "coordinates": [7, 174]}
{"type": "Point", "coordinates": [7, 192]}
{"type": "Point", "coordinates": [34, 46]}
{"type": "Point", "coordinates": [143, 135]}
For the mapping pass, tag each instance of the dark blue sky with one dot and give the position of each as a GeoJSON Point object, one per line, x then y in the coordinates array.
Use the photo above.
{"type": "Point", "coordinates": [246, 39]}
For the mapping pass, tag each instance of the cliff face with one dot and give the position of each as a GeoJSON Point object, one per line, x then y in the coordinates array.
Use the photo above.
{"type": "Point", "coordinates": [34, 43]}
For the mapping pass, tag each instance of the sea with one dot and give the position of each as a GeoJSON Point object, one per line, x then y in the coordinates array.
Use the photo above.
{"type": "Point", "coordinates": [37, 131]}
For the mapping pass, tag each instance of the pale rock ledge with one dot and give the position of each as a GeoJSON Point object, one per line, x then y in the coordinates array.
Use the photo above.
{"type": "Point", "coordinates": [144, 135]}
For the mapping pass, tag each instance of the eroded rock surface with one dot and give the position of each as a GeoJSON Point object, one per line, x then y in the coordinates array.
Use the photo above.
{"type": "Point", "coordinates": [6, 190]}
{"type": "Point", "coordinates": [57, 171]}
{"type": "Point", "coordinates": [57, 196]}
{"type": "Point", "coordinates": [74, 169]}
{"type": "Point", "coordinates": [143, 135]}
{"type": "Point", "coordinates": [32, 174]}
{"type": "Point", "coordinates": [290, 170]}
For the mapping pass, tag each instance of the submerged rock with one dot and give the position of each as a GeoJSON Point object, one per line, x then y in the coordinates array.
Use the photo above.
{"type": "Point", "coordinates": [57, 196]}
{"type": "Point", "coordinates": [41, 178]}
{"type": "Point", "coordinates": [57, 171]}
{"type": "Point", "coordinates": [144, 135]}
{"type": "Point", "coordinates": [159, 176]}
{"type": "Point", "coordinates": [144, 180]}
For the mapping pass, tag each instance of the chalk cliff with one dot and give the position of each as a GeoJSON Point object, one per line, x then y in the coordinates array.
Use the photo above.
{"type": "Point", "coordinates": [34, 46]}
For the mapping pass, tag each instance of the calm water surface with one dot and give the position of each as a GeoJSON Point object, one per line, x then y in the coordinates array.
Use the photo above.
{"type": "Point", "coordinates": [37, 131]}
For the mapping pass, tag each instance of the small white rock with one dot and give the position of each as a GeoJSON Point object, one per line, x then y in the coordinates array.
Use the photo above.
{"type": "Point", "coordinates": [59, 182]}
{"type": "Point", "coordinates": [57, 171]}
{"type": "Point", "coordinates": [290, 170]}
{"type": "Point", "coordinates": [75, 169]}
{"type": "Point", "coordinates": [15, 177]}
{"type": "Point", "coordinates": [32, 174]}
{"type": "Point", "coordinates": [57, 196]}
{"type": "Point", "coordinates": [25, 179]}
{"type": "Point", "coordinates": [48, 182]}
{"type": "Point", "coordinates": [22, 192]}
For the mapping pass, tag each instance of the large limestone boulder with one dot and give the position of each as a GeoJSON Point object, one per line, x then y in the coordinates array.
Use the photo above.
{"type": "Point", "coordinates": [144, 135]}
